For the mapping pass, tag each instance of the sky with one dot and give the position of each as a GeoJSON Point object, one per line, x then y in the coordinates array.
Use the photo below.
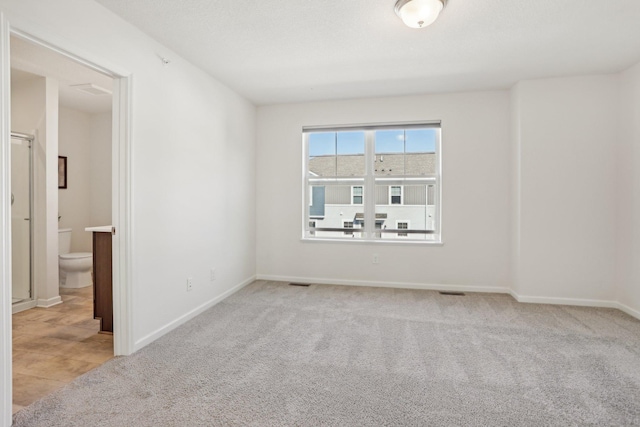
{"type": "Point", "coordinates": [387, 141]}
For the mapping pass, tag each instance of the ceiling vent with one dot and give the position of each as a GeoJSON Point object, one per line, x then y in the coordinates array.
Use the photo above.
{"type": "Point", "coordinates": [92, 89]}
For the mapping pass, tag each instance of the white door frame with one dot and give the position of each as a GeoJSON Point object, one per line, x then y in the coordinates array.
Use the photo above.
{"type": "Point", "coordinates": [121, 194]}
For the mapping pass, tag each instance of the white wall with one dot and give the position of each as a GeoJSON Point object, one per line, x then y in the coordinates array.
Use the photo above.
{"type": "Point", "coordinates": [193, 164]}
{"type": "Point", "coordinates": [34, 108]}
{"type": "Point", "coordinates": [475, 188]}
{"type": "Point", "coordinates": [74, 202]}
{"type": "Point", "coordinates": [86, 202]}
{"type": "Point", "coordinates": [628, 192]}
{"type": "Point", "coordinates": [100, 169]}
{"type": "Point", "coordinates": [565, 170]}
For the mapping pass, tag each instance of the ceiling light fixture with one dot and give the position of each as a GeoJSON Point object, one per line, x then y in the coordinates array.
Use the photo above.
{"type": "Point", "coordinates": [419, 13]}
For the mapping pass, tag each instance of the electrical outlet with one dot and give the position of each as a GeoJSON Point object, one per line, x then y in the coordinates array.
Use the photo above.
{"type": "Point", "coordinates": [189, 284]}
{"type": "Point", "coordinates": [213, 274]}
{"type": "Point", "coordinates": [376, 260]}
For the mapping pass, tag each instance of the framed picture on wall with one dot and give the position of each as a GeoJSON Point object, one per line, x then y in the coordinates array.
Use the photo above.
{"type": "Point", "coordinates": [62, 172]}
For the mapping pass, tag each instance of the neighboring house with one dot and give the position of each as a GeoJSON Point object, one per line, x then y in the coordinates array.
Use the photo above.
{"type": "Point", "coordinates": [398, 206]}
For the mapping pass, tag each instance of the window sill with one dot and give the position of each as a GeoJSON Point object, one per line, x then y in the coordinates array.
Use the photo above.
{"type": "Point", "coordinates": [374, 242]}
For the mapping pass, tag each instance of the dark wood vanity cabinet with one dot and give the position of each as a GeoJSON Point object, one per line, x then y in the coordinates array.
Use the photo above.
{"type": "Point", "coordinates": [103, 281]}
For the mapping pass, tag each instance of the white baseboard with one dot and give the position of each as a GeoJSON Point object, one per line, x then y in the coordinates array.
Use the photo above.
{"type": "Point", "coordinates": [376, 284]}
{"type": "Point", "coordinates": [46, 303]}
{"type": "Point", "coordinates": [577, 302]}
{"type": "Point", "coordinates": [22, 306]}
{"type": "Point", "coordinates": [630, 311]}
{"type": "Point", "coordinates": [565, 301]}
{"type": "Point", "coordinates": [188, 316]}
{"type": "Point", "coordinates": [458, 288]}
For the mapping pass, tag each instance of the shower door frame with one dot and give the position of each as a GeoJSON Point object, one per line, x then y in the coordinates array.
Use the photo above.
{"type": "Point", "coordinates": [14, 24]}
{"type": "Point", "coordinates": [31, 302]}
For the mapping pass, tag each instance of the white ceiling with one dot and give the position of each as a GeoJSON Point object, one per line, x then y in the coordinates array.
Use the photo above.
{"type": "Point", "coordinates": [287, 51]}
{"type": "Point", "coordinates": [30, 61]}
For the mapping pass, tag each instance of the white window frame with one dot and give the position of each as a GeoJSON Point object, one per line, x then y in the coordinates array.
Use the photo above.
{"type": "Point", "coordinates": [344, 225]}
{"type": "Point", "coordinates": [370, 180]}
{"type": "Point", "coordinates": [401, 195]}
{"type": "Point", "coordinates": [353, 195]}
{"type": "Point", "coordinates": [405, 221]}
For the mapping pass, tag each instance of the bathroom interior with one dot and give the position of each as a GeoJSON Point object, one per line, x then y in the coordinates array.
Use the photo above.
{"type": "Point", "coordinates": [61, 147]}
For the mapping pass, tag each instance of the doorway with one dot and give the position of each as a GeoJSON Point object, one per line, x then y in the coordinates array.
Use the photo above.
{"type": "Point", "coordinates": [121, 194]}
{"type": "Point", "coordinates": [69, 108]}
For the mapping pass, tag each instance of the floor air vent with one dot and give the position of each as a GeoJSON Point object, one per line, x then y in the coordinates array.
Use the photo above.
{"type": "Point", "coordinates": [457, 294]}
{"type": "Point", "coordinates": [299, 284]}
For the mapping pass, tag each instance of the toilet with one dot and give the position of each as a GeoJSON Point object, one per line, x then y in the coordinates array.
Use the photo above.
{"type": "Point", "coordinates": [75, 267]}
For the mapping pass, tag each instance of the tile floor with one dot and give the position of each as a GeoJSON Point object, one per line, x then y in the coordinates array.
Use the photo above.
{"type": "Point", "coordinates": [53, 346]}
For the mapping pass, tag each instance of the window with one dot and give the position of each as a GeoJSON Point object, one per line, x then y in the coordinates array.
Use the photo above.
{"type": "Point", "coordinates": [373, 182]}
{"type": "Point", "coordinates": [402, 225]}
{"type": "Point", "coordinates": [356, 195]}
{"type": "Point", "coordinates": [348, 224]}
{"type": "Point", "coordinates": [396, 195]}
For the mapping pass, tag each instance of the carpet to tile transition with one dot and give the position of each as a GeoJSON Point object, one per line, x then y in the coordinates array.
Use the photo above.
{"type": "Point", "coordinates": [278, 355]}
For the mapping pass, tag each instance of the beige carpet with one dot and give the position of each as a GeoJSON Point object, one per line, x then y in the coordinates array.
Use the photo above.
{"type": "Point", "coordinates": [277, 355]}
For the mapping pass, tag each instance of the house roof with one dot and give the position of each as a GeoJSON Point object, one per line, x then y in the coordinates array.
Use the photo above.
{"type": "Point", "coordinates": [385, 164]}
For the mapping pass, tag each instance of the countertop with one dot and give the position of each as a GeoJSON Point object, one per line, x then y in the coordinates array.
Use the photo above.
{"type": "Point", "coordinates": [100, 229]}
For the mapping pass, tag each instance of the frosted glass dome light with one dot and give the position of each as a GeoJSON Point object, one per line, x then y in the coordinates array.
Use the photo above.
{"type": "Point", "coordinates": [419, 13]}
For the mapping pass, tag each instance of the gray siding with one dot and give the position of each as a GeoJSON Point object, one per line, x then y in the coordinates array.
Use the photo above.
{"type": "Point", "coordinates": [382, 194]}
{"type": "Point", "coordinates": [338, 194]}
{"type": "Point", "coordinates": [415, 195]}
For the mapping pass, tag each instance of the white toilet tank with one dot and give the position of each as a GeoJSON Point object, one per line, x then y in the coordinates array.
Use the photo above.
{"type": "Point", "coordinates": [64, 241]}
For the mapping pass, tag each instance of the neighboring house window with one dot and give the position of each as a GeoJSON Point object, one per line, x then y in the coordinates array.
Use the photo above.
{"type": "Point", "coordinates": [378, 179]}
{"type": "Point", "coordinates": [356, 195]}
{"type": "Point", "coordinates": [312, 224]}
{"type": "Point", "coordinates": [348, 224]}
{"type": "Point", "coordinates": [395, 195]}
{"type": "Point", "coordinates": [402, 225]}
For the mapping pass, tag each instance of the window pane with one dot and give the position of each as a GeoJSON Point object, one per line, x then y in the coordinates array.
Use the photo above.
{"type": "Point", "coordinates": [322, 154]}
{"type": "Point", "coordinates": [421, 140]}
{"type": "Point", "coordinates": [332, 208]}
{"type": "Point", "coordinates": [413, 214]}
{"type": "Point", "coordinates": [316, 207]}
{"type": "Point", "coordinates": [420, 156]}
{"type": "Point", "coordinates": [389, 141]}
{"type": "Point", "coordinates": [396, 195]}
{"type": "Point", "coordinates": [389, 155]}
{"type": "Point", "coordinates": [402, 226]}
{"type": "Point", "coordinates": [357, 195]}
{"type": "Point", "coordinates": [348, 224]}
{"type": "Point", "coordinates": [350, 150]}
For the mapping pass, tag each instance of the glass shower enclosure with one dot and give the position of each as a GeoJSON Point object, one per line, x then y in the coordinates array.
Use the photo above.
{"type": "Point", "coordinates": [21, 214]}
